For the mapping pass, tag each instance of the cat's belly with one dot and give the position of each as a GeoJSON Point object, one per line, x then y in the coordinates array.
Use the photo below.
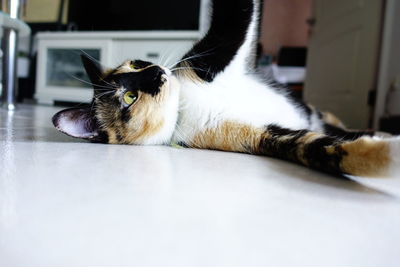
{"type": "Point", "coordinates": [237, 99]}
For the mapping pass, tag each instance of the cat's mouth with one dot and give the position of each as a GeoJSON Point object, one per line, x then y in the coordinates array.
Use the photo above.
{"type": "Point", "coordinates": [163, 79]}
{"type": "Point", "coordinates": [169, 80]}
{"type": "Point", "coordinates": [165, 76]}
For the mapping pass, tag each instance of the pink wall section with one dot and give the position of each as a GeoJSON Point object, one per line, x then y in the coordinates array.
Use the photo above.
{"type": "Point", "coordinates": [284, 24]}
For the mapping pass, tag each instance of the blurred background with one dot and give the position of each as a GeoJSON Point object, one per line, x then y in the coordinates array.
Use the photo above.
{"type": "Point", "coordinates": [341, 55]}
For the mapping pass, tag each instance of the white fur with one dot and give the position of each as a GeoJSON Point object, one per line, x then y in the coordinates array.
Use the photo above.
{"type": "Point", "coordinates": [238, 98]}
{"type": "Point", "coordinates": [316, 124]}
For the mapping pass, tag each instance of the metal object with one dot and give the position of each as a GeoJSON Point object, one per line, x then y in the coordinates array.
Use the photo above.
{"type": "Point", "coordinates": [10, 44]}
{"type": "Point", "coordinates": [10, 53]}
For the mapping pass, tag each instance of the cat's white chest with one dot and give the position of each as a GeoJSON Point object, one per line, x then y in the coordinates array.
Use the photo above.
{"type": "Point", "coordinates": [235, 98]}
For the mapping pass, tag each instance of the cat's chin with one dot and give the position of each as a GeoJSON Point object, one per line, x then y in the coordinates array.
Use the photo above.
{"type": "Point", "coordinates": [173, 84]}
{"type": "Point", "coordinates": [170, 113]}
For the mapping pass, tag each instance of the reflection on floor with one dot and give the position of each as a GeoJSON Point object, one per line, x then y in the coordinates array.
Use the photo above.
{"type": "Point", "coordinates": [64, 202]}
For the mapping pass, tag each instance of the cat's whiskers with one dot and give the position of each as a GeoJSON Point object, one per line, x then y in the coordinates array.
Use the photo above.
{"type": "Point", "coordinates": [202, 54]}
{"type": "Point", "coordinates": [105, 89]}
{"type": "Point", "coordinates": [209, 70]}
{"type": "Point", "coordinates": [162, 61]}
{"type": "Point", "coordinates": [169, 59]}
{"type": "Point", "coordinates": [98, 97]}
{"type": "Point", "coordinates": [166, 57]}
{"type": "Point", "coordinates": [183, 60]}
{"type": "Point", "coordinates": [92, 84]}
{"type": "Point", "coordinates": [92, 58]}
{"type": "Point", "coordinates": [103, 94]}
{"type": "Point", "coordinates": [110, 84]}
{"type": "Point", "coordinates": [188, 68]}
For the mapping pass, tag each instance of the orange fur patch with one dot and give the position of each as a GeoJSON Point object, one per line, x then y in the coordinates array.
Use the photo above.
{"type": "Point", "coordinates": [332, 120]}
{"type": "Point", "coordinates": [230, 136]}
{"type": "Point", "coordinates": [146, 115]}
{"type": "Point", "coordinates": [366, 157]}
{"type": "Point", "coordinates": [308, 138]}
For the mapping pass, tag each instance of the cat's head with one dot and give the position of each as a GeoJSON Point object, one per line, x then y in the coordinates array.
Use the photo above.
{"type": "Point", "coordinates": [135, 103]}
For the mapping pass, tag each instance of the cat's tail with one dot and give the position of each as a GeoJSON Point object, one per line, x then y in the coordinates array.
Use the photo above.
{"type": "Point", "coordinates": [365, 156]}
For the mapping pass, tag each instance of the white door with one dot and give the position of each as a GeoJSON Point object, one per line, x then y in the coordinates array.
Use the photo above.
{"type": "Point", "coordinates": [343, 58]}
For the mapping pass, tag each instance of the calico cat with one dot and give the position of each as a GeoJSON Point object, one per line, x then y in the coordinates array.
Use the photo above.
{"type": "Point", "coordinates": [213, 99]}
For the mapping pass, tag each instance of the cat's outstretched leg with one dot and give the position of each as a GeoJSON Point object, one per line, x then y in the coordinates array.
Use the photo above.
{"type": "Point", "coordinates": [365, 156]}
{"type": "Point", "coordinates": [230, 42]}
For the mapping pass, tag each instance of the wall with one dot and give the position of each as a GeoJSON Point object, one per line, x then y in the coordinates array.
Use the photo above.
{"type": "Point", "coordinates": [284, 23]}
{"type": "Point", "coordinates": [43, 10]}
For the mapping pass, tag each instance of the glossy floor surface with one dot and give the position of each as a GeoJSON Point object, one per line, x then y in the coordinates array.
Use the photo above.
{"type": "Point", "coordinates": [69, 203]}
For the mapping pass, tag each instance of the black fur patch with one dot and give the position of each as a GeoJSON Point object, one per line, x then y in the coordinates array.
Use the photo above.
{"type": "Point", "coordinates": [229, 25]}
{"type": "Point", "coordinates": [279, 147]}
{"type": "Point", "coordinates": [140, 64]}
{"type": "Point", "coordinates": [343, 134]}
{"type": "Point", "coordinates": [305, 108]}
{"type": "Point", "coordinates": [319, 159]}
{"type": "Point", "coordinates": [93, 69]}
{"type": "Point", "coordinates": [125, 115]}
{"type": "Point", "coordinates": [279, 131]}
{"type": "Point", "coordinates": [119, 137]}
{"type": "Point", "coordinates": [147, 81]}
{"type": "Point", "coordinates": [285, 144]}
{"type": "Point", "coordinates": [183, 144]}
{"type": "Point", "coordinates": [101, 138]}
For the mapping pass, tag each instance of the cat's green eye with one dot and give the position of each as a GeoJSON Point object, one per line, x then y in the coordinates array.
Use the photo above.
{"type": "Point", "coordinates": [129, 98]}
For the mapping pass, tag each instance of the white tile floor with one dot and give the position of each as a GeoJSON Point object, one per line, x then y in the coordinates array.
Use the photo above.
{"type": "Point", "coordinates": [68, 203]}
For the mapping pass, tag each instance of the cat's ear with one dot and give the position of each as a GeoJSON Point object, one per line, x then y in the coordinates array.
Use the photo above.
{"type": "Point", "coordinates": [93, 69]}
{"type": "Point", "coordinates": [77, 122]}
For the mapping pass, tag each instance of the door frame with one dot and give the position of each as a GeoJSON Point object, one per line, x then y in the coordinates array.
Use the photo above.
{"type": "Point", "coordinates": [389, 45]}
